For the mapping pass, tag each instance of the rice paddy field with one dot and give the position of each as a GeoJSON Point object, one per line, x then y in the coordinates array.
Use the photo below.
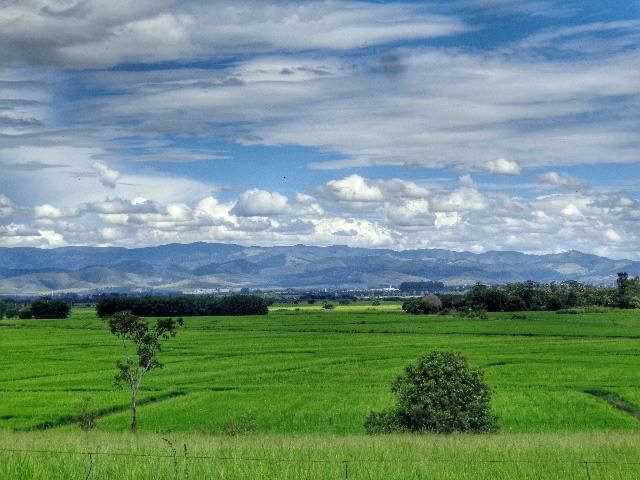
{"type": "Point", "coordinates": [296, 385]}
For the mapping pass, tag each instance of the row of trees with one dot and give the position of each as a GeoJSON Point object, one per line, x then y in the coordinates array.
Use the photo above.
{"type": "Point", "coordinates": [40, 308]}
{"type": "Point", "coordinates": [527, 296]}
{"type": "Point", "coordinates": [184, 305]}
{"type": "Point", "coordinates": [555, 296]}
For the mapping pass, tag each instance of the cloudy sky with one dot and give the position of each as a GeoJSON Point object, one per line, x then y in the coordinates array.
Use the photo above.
{"type": "Point", "coordinates": [462, 124]}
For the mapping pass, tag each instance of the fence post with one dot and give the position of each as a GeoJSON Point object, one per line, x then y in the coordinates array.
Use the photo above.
{"type": "Point", "coordinates": [186, 463]}
{"type": "Point", "coordinates": [175, 457]}
{"type": "Point", "coordinates": [586, 468]}
{"type": "Point", "coordinates": [90, 465]}
{"type": "Point", "coordinates": [346, 468]}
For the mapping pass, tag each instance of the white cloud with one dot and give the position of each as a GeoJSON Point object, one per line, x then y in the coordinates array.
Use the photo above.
{"type": "Point", "coordinates": [500, 166]}
{"type": "Point", "coordinates": [462, 199]}
{"type": "Point", "coordinates": [107, 176]}
{"type": "Point", "coordinates": [6, 206]}
{"type": "Point", "coordinates": [94, 33]}
{"type": "Point", "coordinates": [256, 202]}
{"type": "Point", "coordinates": [410, 213]}
{"type": "Point", "coordinates": [612, 235]}
{"type": "Point", "coordinates": [353, 188]}
{"type": "Point", "coordinates": [557, 180]}
{"type": "Point", "coordinates": [47, 211]}
{"type": "Point", "coordinates": [447, 219]}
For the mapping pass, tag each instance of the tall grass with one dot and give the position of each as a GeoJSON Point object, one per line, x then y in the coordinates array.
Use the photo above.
{"type": "Point", "coordinates": [501, 456]}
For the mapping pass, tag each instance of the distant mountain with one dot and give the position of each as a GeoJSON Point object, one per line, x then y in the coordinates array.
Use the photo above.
{"type": "Point", "coordinates": [187, 267]}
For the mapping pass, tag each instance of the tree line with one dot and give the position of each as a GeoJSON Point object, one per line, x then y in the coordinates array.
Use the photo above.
{"type": "Point", "coordinates": [41, 308]}
{"type": "Point", "coordinates": [529, 296]}
{"type": "Point", "coordinates": [183, 305]}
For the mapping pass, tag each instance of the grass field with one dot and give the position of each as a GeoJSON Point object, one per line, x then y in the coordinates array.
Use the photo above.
{"type": "Point", "coordinates": [562, 384]}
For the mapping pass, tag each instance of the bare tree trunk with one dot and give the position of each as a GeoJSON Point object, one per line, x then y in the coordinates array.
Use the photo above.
{"type": "Point", "coordinates": [134, 413]}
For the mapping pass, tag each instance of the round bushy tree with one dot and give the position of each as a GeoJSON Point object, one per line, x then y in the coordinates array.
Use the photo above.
{"type": "Point", "coordinates": [432, 303]}
{"type": "Point", "coordinates": [439, 393]}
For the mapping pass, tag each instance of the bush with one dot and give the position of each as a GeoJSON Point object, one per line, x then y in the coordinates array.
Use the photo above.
{"type": "Point", "coordinates": [378, 423]}
{"type": "Point", "coordinates": [328, 306]}
{"type": "Point", "coordinates": [344, 301]}
{"type": "Point", "coordinates": [439, 393]}
{"type": "Point", "coordinates": [184, 305]}
{"type": "Point", "coordinates": [50, 308]}
{"type": "Point", "coordinates": [86, 417]}
{"type": "Point", "coordinates": [375, 303]}
{"type": "Point", "coordinates": [25, 314]}
{"type": "Point", "coordinates": [518, 317]}
{"type": "Point", "coordinates": [239, 426]}
{"type": "Point", "coordinates": [428, 304]}
{"type": "Point", "coordinates": [568, 311]}
{"type": "Point", "coordinates": [12, 311]}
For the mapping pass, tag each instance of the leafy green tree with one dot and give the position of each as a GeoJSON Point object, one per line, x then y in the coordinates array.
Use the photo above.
{"type": "Point", "coordinates": [628, 294]}
{"type": "Point", "coordinates": [439, 393]}
{"type": "Point", "coordinates": [50, 308]}
{"type": "Point", "coordinates": [428, 304]}
{"type": "Point", "coordinates": [146, 342]}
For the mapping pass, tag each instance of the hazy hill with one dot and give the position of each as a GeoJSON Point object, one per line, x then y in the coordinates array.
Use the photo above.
{"type": "Point", "coordinates": [214, 265]}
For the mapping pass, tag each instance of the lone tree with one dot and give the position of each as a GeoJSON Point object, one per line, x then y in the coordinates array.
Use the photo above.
{"type": "Point", "coordinates": [439, 393]}
{"type": "Point", "coordinates": [146, 340]}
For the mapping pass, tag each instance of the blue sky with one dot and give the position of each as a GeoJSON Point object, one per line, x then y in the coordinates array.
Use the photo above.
{"type": "Point", "coordinates": [468, 124]}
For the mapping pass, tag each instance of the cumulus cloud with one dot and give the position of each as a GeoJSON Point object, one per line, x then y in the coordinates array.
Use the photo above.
{"type": "Point", "coordinates": [107, 176]}
{"type": "Point", "coordinates": [410, 213]}
{"type": "Point", "coordinates": [256, 202]}
{"type": "Point", "coordinates": [47, 211]}
{"type": "Point", "coordinates": [353, 188]}
{"type": "Point", "coordinates": [500, 166]}
{"type": "Point", "coordinates": [556, 179]}
{"type": "Point", "coordinates": [466, 198]}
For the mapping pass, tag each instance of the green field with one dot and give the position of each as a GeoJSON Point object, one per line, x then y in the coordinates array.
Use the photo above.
{"type": "Point", "coordinates": [306, 378]}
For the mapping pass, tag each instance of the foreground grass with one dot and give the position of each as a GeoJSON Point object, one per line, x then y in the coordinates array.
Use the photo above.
{"type": "Point", "coordinates": [313, 371]}
{"type": "Point", "coordinates": [502, 456]}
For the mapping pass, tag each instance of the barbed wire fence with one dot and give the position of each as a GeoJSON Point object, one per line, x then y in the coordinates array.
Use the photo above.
{"type": "Point", "coordinates": [345, 465]}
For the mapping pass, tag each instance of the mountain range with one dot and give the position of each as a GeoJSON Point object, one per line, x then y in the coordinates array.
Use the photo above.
{"type": "Point", "coordinates": [196, 266]}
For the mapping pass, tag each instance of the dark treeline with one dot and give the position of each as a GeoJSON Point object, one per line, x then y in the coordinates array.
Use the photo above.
{"type": "Point", "coordinates": [522, 296]}
{"type": "Point", "coordinates": [184, 305]}
{"type": "Point", "coordinates": [528, 296]}
{"type": "Point", "coordinates": [555, 296]}
{"type": "Point", "coordinates": [45, 307]}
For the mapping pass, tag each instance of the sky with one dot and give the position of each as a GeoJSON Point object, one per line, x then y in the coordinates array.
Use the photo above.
{"type": "Point", "coordinates": [471, 125]}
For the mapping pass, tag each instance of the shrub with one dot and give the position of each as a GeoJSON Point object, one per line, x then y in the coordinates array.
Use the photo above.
{"type": "Point", "coordinates": [86, 417]}
{"type": "Point", "coordinates": [344, 301]}
{"type": "Point", "coordinates": [439, 393]}
{"type": "Point", "coordinates": [328, 306]}
{"type": "Point", "coordinates": [375, 303]}
{"type": "Point", "coordinates": [11, 312]}
{"type": "Point", "coordinates": [518, 317]}
{"type": "Point", "coordinates": [50, 308]}
{"type": "Point", "coordinates": [428, 304]}
{"type": "Point", "coordinates": [25, 314]}
{"type": "Point", "coordinates": [239, 426]}
{"type": "Point", "coordinates": [377, 423]}
{"type": "Point", "coordinates": [568, 311]}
